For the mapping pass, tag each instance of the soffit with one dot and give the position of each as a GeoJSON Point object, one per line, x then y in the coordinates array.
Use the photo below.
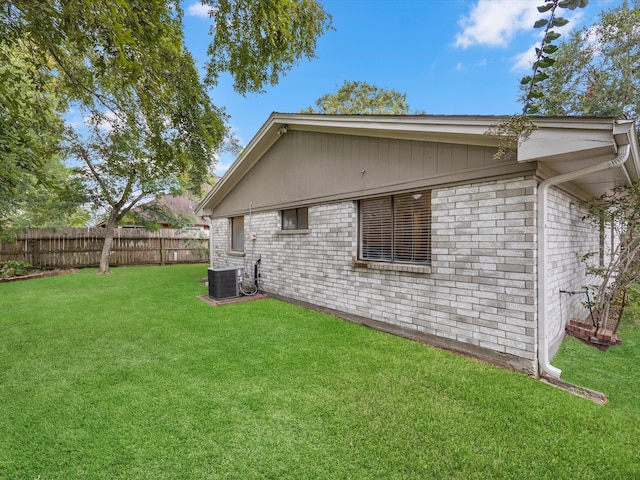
{"type": "Point", "coordinates": [586, 144]}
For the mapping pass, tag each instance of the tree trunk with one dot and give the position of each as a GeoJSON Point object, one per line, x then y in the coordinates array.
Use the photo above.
{"type": "Point", "coordinates": [106, 247]}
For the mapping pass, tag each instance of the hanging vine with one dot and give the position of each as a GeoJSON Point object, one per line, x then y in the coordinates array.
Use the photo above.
{"type": "Point", "coordinates": [518, 128]}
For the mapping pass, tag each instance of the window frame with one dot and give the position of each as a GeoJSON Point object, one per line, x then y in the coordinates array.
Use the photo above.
{"type": "Point", "coordinates": [234, 236]}
{"type": "Point", "coordinates": [403, 234]}
{"type": "Point", "coordinates": [301, 216]}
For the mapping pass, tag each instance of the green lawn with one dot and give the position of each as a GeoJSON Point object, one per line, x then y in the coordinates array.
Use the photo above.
{"type": "Point", "coordinates": [130, 376]}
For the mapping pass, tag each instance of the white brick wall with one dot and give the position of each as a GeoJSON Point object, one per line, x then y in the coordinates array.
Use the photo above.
{"type": "Point", "coordinates": [484, 254]}
{"type": "Point", "coordinates": [480, 291]}
{"type": "Point", "coordinates": [568, 238]}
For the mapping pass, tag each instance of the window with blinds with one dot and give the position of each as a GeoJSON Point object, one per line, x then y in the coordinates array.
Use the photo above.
{"type": "Point", "coordinates": [396, 228]}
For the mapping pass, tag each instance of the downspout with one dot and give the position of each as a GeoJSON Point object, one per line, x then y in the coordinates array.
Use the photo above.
{"type": "Point", "coordinates": [543, 351]}
{"type": "Point", "coordinates": [210, 222]}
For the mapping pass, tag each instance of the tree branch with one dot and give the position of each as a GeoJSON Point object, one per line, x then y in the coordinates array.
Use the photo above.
{"type": "Point", "coordinates": [103, 186]}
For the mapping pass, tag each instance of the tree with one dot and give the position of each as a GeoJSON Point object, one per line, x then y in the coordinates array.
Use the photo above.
{"type": "Point", "coordinates": [32, 129]}
{"type": "Point", "coordinates": [258, 41]}
{"type": "Point", "coordinates": [57, 204]}
{"type": "Point", "coordinates": [597, 69]}
{"type": "Point", "coordinates": [534, 84]}
{"type": "Point", "coordinates": [596, 72]}
{"type": "Point", "coordinates": [518, 128]}
{"type": "Point", "coordinates": [361, 98]}
{"type": "Point", "coordinates": [124, 65]}
{"type": "Point", "coordinates": [141, 152]}
{"type": "Point", "coordinates": [619, 209]}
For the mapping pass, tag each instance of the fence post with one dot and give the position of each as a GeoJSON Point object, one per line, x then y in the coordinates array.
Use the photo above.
{"type": "Point", "coordinates": [163, 254]}
{"type": "Point", "coordinates": [32, 253]}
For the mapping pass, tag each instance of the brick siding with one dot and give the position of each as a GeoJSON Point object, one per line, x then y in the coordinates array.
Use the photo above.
{"type": "Point", "coordinates": [480, 292]}
{"type": "Point", "coordinates": [569, 237]}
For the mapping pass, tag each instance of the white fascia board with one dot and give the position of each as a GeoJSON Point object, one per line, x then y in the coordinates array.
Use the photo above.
{"type": "Point", "coordinates": [555, 138]}
{"type": "Point", "coordinates": [470, 130]}
{"type": "Point", "coordinates": [625, 133]}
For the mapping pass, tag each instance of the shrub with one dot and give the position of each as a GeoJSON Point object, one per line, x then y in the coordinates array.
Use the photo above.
{"type": "Point", "coordinates": [12, 268]}
{"type": "Point", "coordinates": [632, 310]}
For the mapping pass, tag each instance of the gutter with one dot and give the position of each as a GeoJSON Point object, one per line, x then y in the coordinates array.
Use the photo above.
{"type": "Point", "coordinates": [544, 367]}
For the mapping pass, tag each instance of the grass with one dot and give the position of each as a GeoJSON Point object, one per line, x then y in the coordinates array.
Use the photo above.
{"type": "Point", "coordinates": [130, 376]}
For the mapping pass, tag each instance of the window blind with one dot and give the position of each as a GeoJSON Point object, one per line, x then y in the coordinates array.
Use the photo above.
{"type": "Point", "coordinates": [412, 228]}
{"type": "Point", "coordinates": [396, 228]}
{"type": "Point", "coordinates": [376, 223]}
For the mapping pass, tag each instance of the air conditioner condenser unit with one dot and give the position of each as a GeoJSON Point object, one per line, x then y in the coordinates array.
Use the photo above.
{"type": "Point", "coordinates": [224, 282]}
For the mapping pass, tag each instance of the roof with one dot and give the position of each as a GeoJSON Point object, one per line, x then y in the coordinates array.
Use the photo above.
{"type": "Point", "coordinates": [183, 204]}
{"type": "Point", "coordinates": [559, 144]}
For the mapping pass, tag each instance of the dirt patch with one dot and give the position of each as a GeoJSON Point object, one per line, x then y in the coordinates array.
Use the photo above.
{"type": "Point", "coordinates": [48, 273]}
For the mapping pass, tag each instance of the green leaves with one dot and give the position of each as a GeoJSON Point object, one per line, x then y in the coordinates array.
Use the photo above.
{"type": "Point", "coordinates": [573, 4]}
{"type": "Point", "coordinates": [559, 22]}
{"type": "Point", "coordinates": [31, 127]}
{"type": "Point", "coordinates": [551, 36]}
{"type": "Point", "coordinates": [544, 54]}
{"type": "Point", "coordinates": [357, 98]}
{"type": "Point", "coordinates": [258, 41]}
{"type": "Point", "coordinates": [545, 8]}
{"type": "Point", "coordinates": [596, 70]}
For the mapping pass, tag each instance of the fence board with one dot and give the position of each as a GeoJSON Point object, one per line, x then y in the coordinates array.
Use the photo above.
{"type": "Point", "coordinates": [81, 247]}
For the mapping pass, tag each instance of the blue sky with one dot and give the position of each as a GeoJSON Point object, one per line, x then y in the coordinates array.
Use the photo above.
{"type": "Point", "coordinates": [449, 56]}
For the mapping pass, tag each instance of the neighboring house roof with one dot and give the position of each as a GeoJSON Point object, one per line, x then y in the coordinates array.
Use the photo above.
{"type": "Point", "coordinates": [180, 205]}
{"type": "Point", "coordinates": [559, 145]}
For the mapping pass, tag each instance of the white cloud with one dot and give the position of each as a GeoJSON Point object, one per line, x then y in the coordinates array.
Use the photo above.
{"type": "Point", "coordinates": [495, 22]}
{"type": "Point", "coordinates": [222, 165]}
{"type": "Point", "coordinates": [459, 67]}
{"type": "Point", "coordinates": [105, 121]}
{"type": "Point", "coordinates": [524, 60]}
{"type": "Point", "coordinates": [198, 10]}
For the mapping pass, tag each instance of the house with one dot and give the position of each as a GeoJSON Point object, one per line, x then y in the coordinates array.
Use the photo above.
{"type": "Point", "coordinates": [409, 224]}
{"type": "Point", "coordinates": [169, 210]}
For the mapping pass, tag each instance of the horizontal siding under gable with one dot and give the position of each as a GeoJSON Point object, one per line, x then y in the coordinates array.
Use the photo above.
{"type": "Point", "coordinates": [312, 167]}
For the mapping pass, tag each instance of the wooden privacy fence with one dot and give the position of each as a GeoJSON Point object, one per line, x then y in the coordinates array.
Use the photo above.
{"type": "Point", "coordinates": [81, 247]}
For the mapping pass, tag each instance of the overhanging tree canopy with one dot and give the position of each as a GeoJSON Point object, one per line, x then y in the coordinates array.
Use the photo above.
{"type": "Point", "coordinates": [123, 63]}
{"type": "Point", "coordinates": [597, 69]}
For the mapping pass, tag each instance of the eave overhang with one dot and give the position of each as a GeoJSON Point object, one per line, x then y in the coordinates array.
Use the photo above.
{"type": "Point", "coordinates": [563, 145]}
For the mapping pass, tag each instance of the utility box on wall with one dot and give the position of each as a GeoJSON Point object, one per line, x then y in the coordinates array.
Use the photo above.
{"type": "Point", "coordinates": [224, 282]}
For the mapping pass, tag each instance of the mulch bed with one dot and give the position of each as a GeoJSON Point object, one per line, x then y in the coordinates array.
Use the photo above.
{"type": "Point", "coordinates": [48, 273]}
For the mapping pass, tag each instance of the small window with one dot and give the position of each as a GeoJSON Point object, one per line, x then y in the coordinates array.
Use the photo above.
{"type": "Point", "coordinates": [396, 228]}
{"type": "Point", "coordinates": [237, 234]}
{"type": "Point", "coordinates": [295, 219]}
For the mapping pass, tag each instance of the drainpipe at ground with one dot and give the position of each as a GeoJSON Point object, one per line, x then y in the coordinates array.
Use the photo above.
{"type": "Point", "coordinates": [544, 365]}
